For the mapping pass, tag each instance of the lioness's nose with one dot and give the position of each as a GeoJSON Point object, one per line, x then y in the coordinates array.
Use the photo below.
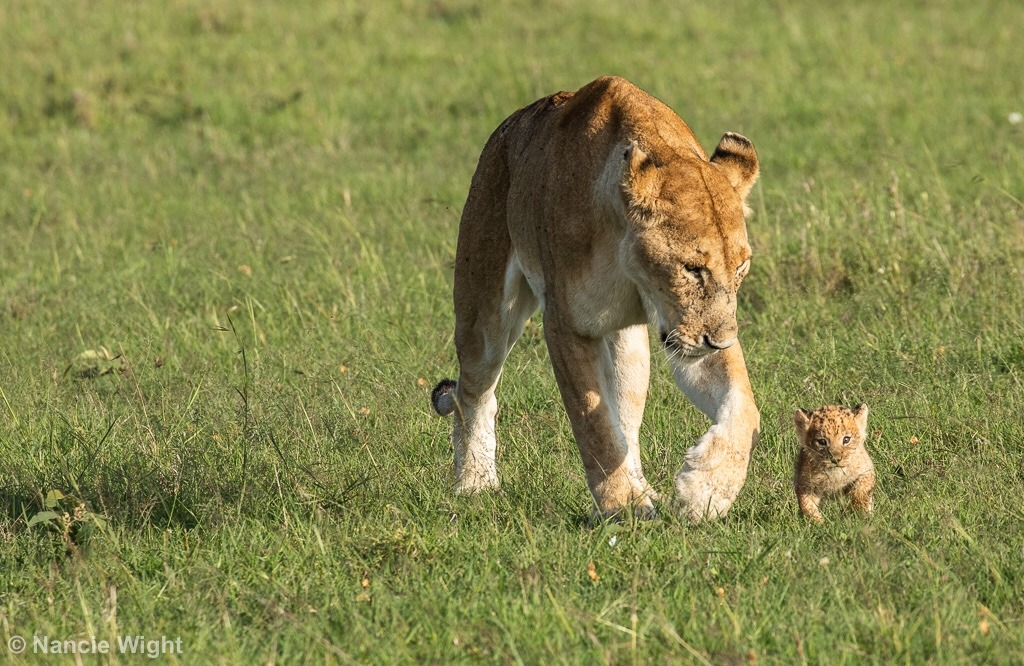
{"type": "Point", "coordinates": [719, 344]}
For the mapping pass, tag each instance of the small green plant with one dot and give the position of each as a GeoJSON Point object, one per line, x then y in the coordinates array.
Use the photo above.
{"type": "Point", "coordinates": [68, 517]}
{"type": "Point", "coordinates": [94, 363]}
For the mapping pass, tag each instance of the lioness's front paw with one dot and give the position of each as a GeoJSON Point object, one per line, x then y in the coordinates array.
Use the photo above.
{"type": "Point", "coordinates": [700, 498]}
{"type": "Point", "coordinates": [642, 489]}
{"type": "Point", "coordinates": [713, 475]}
{"type": "Point", "coordinates": [618, 492]}
{"type": "Point", "coordinates": [707, 494]}
{"type": "Point", "coordinates": [642, 509]}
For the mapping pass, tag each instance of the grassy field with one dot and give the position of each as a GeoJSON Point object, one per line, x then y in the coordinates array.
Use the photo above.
{"type": "Point", "coordinates": [226, 236]}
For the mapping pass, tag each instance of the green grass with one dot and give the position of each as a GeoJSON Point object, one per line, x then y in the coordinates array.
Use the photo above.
{"type": "Point", "coordinates": [238, 200]}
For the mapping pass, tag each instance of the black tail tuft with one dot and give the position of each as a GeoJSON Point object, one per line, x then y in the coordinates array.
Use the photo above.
{"type": "Point", "coordinates": [443, 397]}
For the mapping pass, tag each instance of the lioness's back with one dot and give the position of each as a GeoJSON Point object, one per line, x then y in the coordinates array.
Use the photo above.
{"type": "Point", "coordinates": [608, 107]}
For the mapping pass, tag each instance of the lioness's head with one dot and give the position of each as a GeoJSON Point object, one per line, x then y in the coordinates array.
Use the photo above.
{"type": "Point", "coordinates": [686, 240]}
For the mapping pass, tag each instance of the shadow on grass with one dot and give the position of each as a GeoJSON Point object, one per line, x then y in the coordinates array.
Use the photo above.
{"type": "Point", "coordinates": [17, 504]}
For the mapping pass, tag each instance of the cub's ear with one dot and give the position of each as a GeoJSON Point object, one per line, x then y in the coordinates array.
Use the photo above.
{"type": "Point", "coordinates": [735, 156]}
{"type": "Point", "coordinates": [801, 419]}
{"type": "Point", "coordinates": [641, 182]}
{"type": "Point", "coordinates": [860, 417]}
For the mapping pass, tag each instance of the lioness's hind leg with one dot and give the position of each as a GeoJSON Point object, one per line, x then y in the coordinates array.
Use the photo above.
{"type": "Point", "coordinates": [628, 375]}
{"type": "Point", "coordinates": [483, 346]}
{"type": "Point", "coordinates": [483, 326]}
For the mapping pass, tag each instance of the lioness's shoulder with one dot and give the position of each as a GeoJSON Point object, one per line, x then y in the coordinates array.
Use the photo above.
{"type": "Point", "coordinates": [624, 110]}
{"type": "Point", "coordinates": [600, 95]}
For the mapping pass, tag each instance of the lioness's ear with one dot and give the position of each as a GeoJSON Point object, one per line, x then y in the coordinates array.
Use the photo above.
{"type": "Point", "coordinates": [736, 157]}
{"type": "Point", "coordinates": [860, 417]}
{"type": "Point", "coordinates": [640, 181]}
{"type": "Point", "coordinates": [801, 419]}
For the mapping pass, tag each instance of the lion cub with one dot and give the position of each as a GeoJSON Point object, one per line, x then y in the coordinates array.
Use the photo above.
{"type": "Point", "coordinates": [833, 458]}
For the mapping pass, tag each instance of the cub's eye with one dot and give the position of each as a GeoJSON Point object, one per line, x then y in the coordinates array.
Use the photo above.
{"type": "Point", "coordinates": [822, 442]}
{"type": "Point", "coordinates": [694, 271]}
{"type": "Point", "coordinates": [846, 440]}
{"type": "Point", "coordinates": [742, 270]}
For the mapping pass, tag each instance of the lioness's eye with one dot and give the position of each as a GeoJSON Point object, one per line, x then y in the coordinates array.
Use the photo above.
{"type": "Point", "coordinates": [744, 267]}
{"type": "Point", "coordinates": [846, 440]}
{"type": "Point", "coordinates": [695, 271]}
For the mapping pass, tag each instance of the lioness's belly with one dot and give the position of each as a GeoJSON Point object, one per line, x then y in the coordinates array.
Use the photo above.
{"type": "Point", "coordinates": [597, 302]}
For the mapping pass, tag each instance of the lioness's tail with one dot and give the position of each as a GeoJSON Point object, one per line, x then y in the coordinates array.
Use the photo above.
{"type": "Point", "coordinates": [443, 397]}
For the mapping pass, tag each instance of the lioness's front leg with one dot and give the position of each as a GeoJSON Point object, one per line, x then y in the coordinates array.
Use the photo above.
{"type": "Point", "coordinates": [716, 467]}
{"type": "Point", "coordinates": [628, 370]}
{"type": "Point", "coordinates": [583, 380]}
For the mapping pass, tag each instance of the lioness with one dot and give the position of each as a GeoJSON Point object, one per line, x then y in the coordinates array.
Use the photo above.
{"type": "Point", "coordinates": [601, 208]}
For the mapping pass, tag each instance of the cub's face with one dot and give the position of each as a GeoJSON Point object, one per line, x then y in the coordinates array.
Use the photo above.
{"type": "Point", "coordinates": [686, 244]}
{"type": "Point", "coordinates": [832, 432]}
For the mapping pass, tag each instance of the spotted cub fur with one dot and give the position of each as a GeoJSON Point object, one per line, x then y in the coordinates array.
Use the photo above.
{"type": "Point", "coordinates": [833, 458]}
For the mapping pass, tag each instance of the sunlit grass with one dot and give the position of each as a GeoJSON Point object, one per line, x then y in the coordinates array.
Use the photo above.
{"type": "Point", "coordinates": [225, 292]}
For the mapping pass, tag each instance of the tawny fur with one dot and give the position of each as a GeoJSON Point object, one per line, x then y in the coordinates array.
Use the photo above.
{"type": "Point", "coordinates": [833, 458]}
{"type": "Point", "coordinates": [601, 208]}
